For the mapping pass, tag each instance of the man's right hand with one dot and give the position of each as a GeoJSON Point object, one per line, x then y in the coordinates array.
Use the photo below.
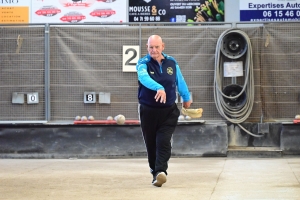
{"type": "Point", "coordinates": [161, 96]}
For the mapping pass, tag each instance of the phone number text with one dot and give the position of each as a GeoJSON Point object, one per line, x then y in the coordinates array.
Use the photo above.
{"type": "Point", "coordinates": [281, 13]}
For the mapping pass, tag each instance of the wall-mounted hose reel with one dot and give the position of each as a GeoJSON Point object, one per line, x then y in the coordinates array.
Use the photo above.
{"type": "Point", "coordinates": [238, 101]}
{"type": "Point", "coordinates": [234, 45]}
{"type": "Point", "coordinates": [233, 59]}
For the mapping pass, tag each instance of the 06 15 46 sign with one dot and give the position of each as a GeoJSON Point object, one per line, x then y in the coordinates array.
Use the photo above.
{"type": "Point", "coordinates": [264, 10]}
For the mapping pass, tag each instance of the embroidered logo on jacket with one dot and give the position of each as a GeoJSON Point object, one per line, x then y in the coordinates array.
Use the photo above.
{"type": "Point", "coordinates": [151, 72]}
{"type": "Point", "coordinates": [170, 70]}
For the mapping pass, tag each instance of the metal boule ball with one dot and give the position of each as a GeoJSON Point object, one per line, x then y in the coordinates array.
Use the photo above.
{"type": "Point", "coordinates": [91, 118]}
{"type": "Point", "coordinates": [120, 119]}
{"type": "Point", "coordinates": [77, 118]}
{"type": "Point", "coordinates": [110, 118]}
{"type": "Point", "coordinates": [188, 118]}
{"type": "Point", "coordinates": [181, 117]}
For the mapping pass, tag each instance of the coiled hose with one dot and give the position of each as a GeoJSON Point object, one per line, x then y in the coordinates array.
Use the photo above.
{"type": "Point", "coordinates": [233, 114]}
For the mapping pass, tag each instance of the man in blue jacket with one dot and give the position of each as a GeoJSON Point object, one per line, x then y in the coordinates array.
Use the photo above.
{"type": "Point", "coordinates": [159, 79]}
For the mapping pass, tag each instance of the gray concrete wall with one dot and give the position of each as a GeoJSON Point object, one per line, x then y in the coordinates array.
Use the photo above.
{"type": "Point", "coordinates": [89, 141]}
{"type": "Point", "coordinates": [98, 141]}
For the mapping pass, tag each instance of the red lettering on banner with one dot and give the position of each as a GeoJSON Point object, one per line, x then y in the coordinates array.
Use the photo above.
{"type": "Point", "coordinates": [77, 4]}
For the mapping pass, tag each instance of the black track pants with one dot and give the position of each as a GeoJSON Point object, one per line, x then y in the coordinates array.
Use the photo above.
{"type": "Point", "coordinates": [158, 126]}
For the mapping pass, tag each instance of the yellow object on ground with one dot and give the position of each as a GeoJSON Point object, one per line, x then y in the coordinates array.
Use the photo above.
{"type": "Point", "coordinates": [193, 113]}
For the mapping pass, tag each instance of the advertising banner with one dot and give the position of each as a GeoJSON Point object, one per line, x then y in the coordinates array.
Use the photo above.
{"type": "Point", "coordinates": [266, 10]}
{"type": "Point", "coordinates": [62, 11]}
{"type": "Point", "coordinates": [74, 11]}
{"type": "Point", "coordinates": [176, 10]}
{"type": "Point", "coordinates": [14, 11]}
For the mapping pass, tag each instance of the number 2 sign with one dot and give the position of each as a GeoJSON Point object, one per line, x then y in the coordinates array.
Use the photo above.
{"type": "Point", "coordinates": [131, 55]}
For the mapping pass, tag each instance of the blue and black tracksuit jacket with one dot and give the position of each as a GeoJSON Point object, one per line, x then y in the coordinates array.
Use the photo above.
{"type": "Point", "coordinates": [152, 77]}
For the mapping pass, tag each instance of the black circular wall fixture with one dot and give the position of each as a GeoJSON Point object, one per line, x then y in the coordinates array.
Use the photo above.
{"type": "Point", "coordinates": [233, 90]}
{"type": "Point", "coordinates": [234, 45]}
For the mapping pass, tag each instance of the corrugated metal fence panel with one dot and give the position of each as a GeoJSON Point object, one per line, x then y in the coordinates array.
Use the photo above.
{"type": "Point", "coordinates": [22, 71]}
{"type": "Point", "coordinates": [280, 70]}
{"type": "Point", "coordinates": [194, 50]}
{"type": "Point", "coordinates": [88, 58]}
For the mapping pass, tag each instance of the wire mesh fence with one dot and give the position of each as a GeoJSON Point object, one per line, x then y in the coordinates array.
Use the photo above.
{"type": "Point", "coordinates": [88, 58]}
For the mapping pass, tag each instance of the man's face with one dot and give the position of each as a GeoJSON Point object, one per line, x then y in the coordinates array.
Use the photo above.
{"type": "Point", "coordinates": [155, 47]}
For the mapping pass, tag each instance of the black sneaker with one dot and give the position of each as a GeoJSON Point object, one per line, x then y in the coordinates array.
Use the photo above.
{"type": "Point", "coordinates": [159, 179]}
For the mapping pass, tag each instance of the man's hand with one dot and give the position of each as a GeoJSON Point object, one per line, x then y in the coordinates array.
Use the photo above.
{"type": "Point", "coordinates": [187, 104]}
{"type": "Point", "coordinates": [161, 96]}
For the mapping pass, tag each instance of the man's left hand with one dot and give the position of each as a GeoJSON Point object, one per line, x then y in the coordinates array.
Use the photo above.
{"type": "Point", "coordinates": [187, 104]}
